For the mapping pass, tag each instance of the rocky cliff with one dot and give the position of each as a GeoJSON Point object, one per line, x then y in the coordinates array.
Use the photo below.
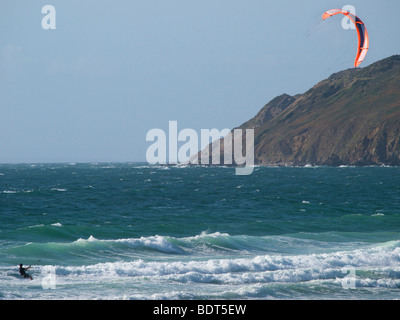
{"type": "Point", "coordinates": [351, 118]}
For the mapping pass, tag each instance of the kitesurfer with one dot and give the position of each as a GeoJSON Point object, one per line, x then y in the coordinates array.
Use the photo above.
{"type": "Point", "coordinates": [22, 272]}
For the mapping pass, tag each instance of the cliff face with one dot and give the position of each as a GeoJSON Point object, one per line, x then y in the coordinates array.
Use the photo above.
{"type": "Point", "coordinates": [351, 118]}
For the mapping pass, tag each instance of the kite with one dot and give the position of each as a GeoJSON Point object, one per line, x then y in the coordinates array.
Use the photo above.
{"type": "Point", "coordinates": [363, 39]}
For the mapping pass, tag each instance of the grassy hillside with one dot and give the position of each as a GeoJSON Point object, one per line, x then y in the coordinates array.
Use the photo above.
{"type": "Point", "coordinates": [351, 118]}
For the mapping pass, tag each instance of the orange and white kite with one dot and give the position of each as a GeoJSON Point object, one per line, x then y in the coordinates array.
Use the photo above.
{"type": "Point", "coordinates": [363, 39]}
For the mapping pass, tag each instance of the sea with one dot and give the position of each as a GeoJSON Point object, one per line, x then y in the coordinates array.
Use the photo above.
{"type": "Point", "coordinates": [133, 231]}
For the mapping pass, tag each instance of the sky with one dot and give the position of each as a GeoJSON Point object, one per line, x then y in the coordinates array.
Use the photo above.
{"type": "Point", "coordinates": [111, 71]}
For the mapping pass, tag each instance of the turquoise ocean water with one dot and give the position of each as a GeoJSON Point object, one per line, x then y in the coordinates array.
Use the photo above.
{"type": "Point", "coordinates": [133, 231]}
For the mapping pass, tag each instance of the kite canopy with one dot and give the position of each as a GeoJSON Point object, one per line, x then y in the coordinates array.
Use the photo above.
{"type": "Point", "coordinates": [363, 39]}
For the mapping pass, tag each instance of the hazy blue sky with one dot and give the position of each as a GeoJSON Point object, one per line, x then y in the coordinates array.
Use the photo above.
{"type": "Point", "coordinates": [112, 70]}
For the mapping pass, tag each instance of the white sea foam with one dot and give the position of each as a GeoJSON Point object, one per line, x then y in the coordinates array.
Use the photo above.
{"type": "Point", "coordinates": [158, 243]}
{"type": "Point", "coordinates": [57, 224]}
{"type": "Point", "coordinates": [191, 277]}
{"type": "Point", "coordinates": [90, 239]}
{"type": "Point", "coordinates": [36, 226]}
{"type": "Point", "coordinates": [17, 191]}
{"type": "Point", "coordinates": [155, 242]}
{"type": "Point", "coordinates": [258, 269]}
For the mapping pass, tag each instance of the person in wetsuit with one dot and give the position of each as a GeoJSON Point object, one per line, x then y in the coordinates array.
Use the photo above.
{"type": "Point", "coordinates": [22, 271]}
